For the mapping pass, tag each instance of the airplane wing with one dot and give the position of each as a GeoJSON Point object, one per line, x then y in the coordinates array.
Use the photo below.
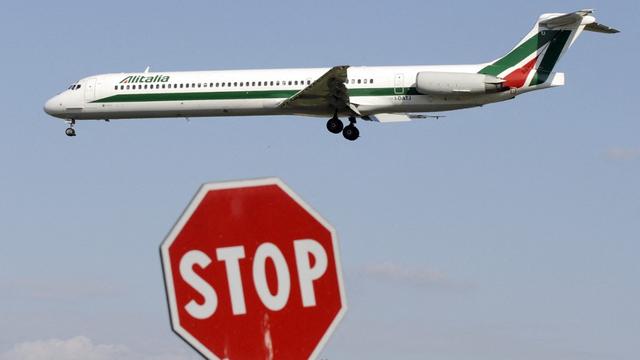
{"type": "Point", "coordinates": [327, 91]}
{"type": "Point", "coordinates": [399, 117]}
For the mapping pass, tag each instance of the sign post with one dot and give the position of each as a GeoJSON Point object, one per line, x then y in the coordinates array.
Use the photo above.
{"type": "Point", "coordinates": [252, 272]}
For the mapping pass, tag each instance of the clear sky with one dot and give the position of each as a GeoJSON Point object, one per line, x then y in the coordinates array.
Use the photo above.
{"type": "Point", "coordinates": [506, 232]}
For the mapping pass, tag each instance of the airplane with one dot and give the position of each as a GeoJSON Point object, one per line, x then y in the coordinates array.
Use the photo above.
{"type": "Point", "coordinates": [382, 94]}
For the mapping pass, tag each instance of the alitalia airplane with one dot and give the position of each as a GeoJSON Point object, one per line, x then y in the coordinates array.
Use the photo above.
{"type": "Point", "coordinates": [383, 94]}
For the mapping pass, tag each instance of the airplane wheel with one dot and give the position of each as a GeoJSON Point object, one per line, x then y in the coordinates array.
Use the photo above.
{"type": "Point", "coordinates": [335, 126]}
{"type": "Point", "coordinates": [351, 133]}
{"type": "Point", "coordinates": [70, 132]}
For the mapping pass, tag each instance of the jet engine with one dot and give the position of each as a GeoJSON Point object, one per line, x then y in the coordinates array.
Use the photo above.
{"type": "Point", "coordinates": [449, 83]}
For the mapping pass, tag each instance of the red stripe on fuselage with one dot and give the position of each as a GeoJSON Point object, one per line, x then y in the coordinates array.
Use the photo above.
{"type": "Point", "coordinates": [518, 78]}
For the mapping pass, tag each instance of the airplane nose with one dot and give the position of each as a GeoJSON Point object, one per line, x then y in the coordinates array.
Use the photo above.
{"type": "Point", "coordinates": [53, 107]}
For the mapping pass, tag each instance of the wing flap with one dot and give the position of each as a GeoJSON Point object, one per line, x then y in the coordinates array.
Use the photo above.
{"type": "Point", "coordinates": [399, 117]}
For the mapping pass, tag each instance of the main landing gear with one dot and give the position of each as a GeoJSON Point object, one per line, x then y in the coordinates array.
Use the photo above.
{"type": "Point", "coordinates": [350, 132]}
{"type": "Point", "coordinates": [70, 130]}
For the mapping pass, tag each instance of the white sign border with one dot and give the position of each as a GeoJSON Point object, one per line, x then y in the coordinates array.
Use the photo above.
{"type": "Point", "coordinates": [186, 215]}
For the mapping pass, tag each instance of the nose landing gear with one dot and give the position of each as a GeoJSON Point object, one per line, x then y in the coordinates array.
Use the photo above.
{"type": "Point", "coordinates": [70, 131]}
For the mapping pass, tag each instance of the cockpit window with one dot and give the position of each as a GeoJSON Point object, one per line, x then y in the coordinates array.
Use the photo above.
{"type": "Point", "coordinates": [78, 86]}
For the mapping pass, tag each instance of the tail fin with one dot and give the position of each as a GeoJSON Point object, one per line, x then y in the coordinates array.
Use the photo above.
{"type": "Point", "coordinates": [532, 61]}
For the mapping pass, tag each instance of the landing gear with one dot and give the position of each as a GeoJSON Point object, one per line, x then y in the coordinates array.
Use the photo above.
{"type": "Point", "coordinates": [351, 132]}
{"type": "Point", "coordinates": [334, 125]}
{"type": "Point", "coordinates": [70, 130]}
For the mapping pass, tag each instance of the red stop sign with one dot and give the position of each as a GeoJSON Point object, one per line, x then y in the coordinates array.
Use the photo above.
{"type": "Point", "coordinates": [252, 272]}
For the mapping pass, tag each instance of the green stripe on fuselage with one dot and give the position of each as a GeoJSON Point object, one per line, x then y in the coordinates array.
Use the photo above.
{"type": "Point", "coordinates": [520, 53]}
{"type": "Point", "coordinates": [243, 95]}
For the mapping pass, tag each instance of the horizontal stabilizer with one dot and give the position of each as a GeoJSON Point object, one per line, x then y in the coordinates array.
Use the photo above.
{"type": "Point", "coordinates": [582, 17]}
{"type": "Point", "coordinates": [599, 28]}
{"type": "Point", "coordinates": [562, 21]}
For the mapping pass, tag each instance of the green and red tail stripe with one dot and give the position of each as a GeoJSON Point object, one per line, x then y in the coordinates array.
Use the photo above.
{"type": "Point", "coordinates": [542, 50]}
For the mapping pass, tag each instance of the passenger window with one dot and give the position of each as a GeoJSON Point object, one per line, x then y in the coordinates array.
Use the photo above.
{"type": "Point", "coordinates": [78, 87]}
{"type": "Point", "coordinates": [359, 81]}
{"type": "Point", "coordinates": [370, 81]}
{"type": "Point", "coordinates": [272, 83]}
{"type": "Point", "coordinates": [253, 83]}
{"type": "Point", "coordinates": [181, 86]}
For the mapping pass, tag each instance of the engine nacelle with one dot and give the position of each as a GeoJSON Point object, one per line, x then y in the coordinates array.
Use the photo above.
{"type": "Point", "coordinates": [449, 83]}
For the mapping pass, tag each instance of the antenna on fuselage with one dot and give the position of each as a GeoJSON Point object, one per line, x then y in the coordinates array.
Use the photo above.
{"type": "Point", "coordinates": [147, 69]}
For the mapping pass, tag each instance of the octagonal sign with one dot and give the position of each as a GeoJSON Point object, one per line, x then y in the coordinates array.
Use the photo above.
{"type": "Point", "coordinates": [252, 272]}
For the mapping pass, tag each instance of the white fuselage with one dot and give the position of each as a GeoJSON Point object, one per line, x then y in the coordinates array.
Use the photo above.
{"type": "Point", "coordinates": [253, 92]}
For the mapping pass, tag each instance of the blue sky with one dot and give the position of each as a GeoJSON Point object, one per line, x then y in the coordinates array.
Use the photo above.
{"type": "Point", "coordinates": [509, 231]}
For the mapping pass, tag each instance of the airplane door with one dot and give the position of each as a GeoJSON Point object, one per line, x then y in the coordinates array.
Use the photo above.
{"type": "Point", "coordinates": [399, 84]}
{"type": "Point", "coordinates": [90, 90]}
